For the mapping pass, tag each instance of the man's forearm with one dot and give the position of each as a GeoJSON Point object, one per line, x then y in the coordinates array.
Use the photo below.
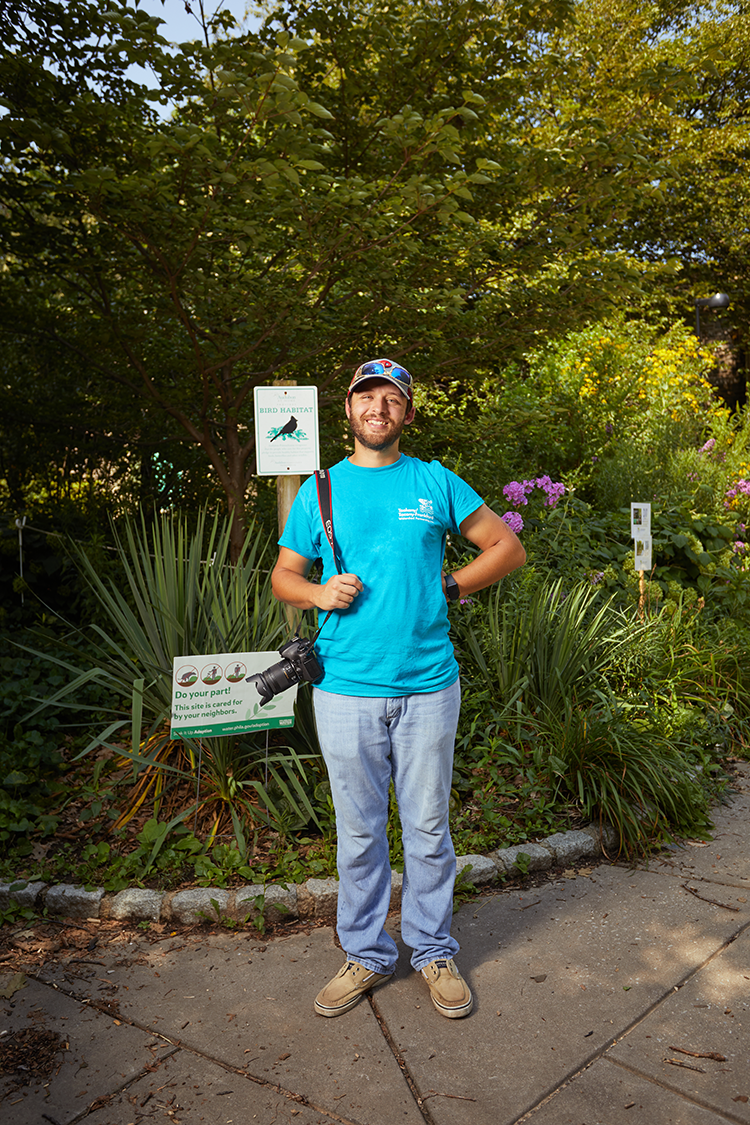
{"type": "Point", "coordinates": [294, 589]}
{"type": "Point", "coordinates": [490, 566]}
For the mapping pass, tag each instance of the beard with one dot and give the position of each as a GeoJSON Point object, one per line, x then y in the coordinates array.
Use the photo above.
{"type": "Point", "coordinates": [377, 442]}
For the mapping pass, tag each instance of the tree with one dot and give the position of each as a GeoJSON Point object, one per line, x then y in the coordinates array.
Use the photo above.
{"type": "Point", "coordinates": [699, 216]}
{"type": "Point", "coordinates": [357, 177]}
{"type": "Point", "coordinates": [704, 216]}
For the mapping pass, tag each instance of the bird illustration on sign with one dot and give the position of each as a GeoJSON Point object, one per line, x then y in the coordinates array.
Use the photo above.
{"type": "Point", "coordinates": [288, 431]}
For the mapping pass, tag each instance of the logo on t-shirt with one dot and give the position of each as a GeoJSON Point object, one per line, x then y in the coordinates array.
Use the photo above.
{"type": "Point", "coordinates": [423, 512]}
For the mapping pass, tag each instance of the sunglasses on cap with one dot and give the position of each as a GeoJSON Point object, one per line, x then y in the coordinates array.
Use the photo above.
{"type": "Point", "coordinates": [384, 369]}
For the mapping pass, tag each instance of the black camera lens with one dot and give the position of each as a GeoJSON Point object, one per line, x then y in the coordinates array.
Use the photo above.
{"type": "Point", "coordinates": [299, 663]}
{"type": "Point", "coordinates": [275, 679]}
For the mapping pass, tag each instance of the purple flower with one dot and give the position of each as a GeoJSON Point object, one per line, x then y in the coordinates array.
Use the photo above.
{"type": "Point", "coordinates": [514, 521]}
{"type": "Point", "coordinates": [515, 492]}
{"type": "Point", "coordinates": [739, 547]}
{"type": "Point", "coordinates": [708, 446]}
{"type": "Point", "coordinates": [741, 488]}
{"type": "Point", "coordinates": [554, 490]}
{"type": "Point", "coordinates": [594, 579]}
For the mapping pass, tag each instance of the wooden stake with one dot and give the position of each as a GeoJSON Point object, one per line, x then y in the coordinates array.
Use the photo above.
{"type": "Point", "coordinates": [287, 487]}
{"type": "Point", "coordinates": [642, 588]}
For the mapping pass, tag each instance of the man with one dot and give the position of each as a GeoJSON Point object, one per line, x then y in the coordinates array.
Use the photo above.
{"type": "Point", "coordinates": [387, 703]}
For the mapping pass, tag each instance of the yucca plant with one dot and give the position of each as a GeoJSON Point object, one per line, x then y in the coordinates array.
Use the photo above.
{"type": "Point", "coordinates": [552, 665]}
{"type": "Point", "coordinates": [182, 596]}
{"type": "Point", "coordinates": [620, 768]}
{"type": "Point", "coordinates": [551, 650]}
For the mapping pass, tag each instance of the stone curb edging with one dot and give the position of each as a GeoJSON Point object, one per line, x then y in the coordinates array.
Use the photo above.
{"type": "Point", "coordinates": [312, 899]}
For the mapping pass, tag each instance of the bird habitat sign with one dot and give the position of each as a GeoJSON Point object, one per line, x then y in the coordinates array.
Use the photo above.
{"type": "Point", "coordinates": [211, 695]}
{"type": "Point", "coordinates": [286, 431]}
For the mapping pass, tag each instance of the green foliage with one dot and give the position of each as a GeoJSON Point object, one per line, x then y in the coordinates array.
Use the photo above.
{"type": "Point", "coordinates": [182, 596]}
{"type": "Point", "coordinates": [463, 889]}
{"type": "Point", "coordinates": [550, 649]}
{"type": "Point", "coordinates": [623, 413]}
{"type": "Point", "coordinates": [585, 712]}
{"type": "Point", "coordinates": [500, 794]}
{"type": "Point", "coordinates": [695, 221]}
{"type": "Point", "coordinates": [637, 397]}
{"type": "Point", "coordinates": [168, 851]}
{"type": "Point", "coordinates": [33, 753]}
{"type": "Point", "coordinates": [621, 768]}
{"type": "Point", "coordinates": [15, 912]}
{"type": "Point", "coordinates": [492, 432]}
{"type": "Point", "coordinates": [350, 177]}
{"type": "Point", "coordinates": [693, 555]}
{"type": "Point", "coordinates": [548, 669]}
{"type": "Point", "coordinates": [522, 862]}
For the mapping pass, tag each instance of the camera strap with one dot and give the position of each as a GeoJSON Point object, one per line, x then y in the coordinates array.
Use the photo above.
{"type": "Point", "coordinates": [323, 482]}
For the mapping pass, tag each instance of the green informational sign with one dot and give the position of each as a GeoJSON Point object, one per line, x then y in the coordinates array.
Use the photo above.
{"type": "Point", "coordinates": [211, 695]}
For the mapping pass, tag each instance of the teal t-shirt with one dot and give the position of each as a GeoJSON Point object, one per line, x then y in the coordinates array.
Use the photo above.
{"type": "Point", "coordinates": [389, 526]}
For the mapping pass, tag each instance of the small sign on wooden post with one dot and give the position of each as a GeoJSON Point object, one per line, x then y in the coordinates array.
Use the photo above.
{"type": "Point", "coordinates": [640, 530]}
{"type": "Point", "coordinates": [286, 430]}
{"type": "Point", "coordinates": [287, 445]}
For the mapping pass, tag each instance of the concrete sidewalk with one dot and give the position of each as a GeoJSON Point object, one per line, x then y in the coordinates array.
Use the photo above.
{"type": "Point", "coordinates": [621, 996]}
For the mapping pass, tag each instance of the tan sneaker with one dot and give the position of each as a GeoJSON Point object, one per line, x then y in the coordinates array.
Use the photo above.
{"type": "Point", "coordinates": [450, 993]}
{"type": "Point", "coordinates": [346, 989]}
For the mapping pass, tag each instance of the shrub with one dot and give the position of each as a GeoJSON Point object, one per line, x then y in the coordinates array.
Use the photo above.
{"type": "Point", "coordinates": [183, 597]}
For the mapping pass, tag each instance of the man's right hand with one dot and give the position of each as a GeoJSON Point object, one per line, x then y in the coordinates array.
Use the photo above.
{"type": "Point", "coordinates": [290, 585]}
{"type": "Point", "coordinates": [339, 592]}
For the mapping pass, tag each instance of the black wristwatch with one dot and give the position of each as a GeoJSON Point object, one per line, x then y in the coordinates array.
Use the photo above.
{"type": "Point", "coordinates": [452, 591]}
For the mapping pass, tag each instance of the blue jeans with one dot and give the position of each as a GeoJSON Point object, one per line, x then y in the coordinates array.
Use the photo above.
{"type": "Point", "coordinates": [367, 743]}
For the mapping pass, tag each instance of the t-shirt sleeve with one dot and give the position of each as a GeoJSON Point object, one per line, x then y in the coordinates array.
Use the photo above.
{"type": "Point", "coordinates": [300, 532]}
{"type": "Point", "coordinates": [462, 498]}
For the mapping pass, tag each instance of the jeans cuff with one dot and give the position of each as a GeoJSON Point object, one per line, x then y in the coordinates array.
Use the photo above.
{"type": "Point", "coordinates": [373, 968]}
{"type": "Point", "coordinates": [422, 964]}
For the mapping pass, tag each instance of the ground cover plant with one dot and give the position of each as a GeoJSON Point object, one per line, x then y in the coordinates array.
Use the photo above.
{"type": "Point", "coordinates": [586, 696]}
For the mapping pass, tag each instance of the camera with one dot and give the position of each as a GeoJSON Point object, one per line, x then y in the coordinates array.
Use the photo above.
{"type": "Point", "coordinates": [299, 663]}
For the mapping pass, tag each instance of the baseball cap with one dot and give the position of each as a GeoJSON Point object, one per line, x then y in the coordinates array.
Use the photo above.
{"type": "Point", "coordinates": [384, 369]}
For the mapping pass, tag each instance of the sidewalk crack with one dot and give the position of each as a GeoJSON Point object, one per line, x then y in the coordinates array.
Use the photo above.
{"type": "Point", "coordinates": [419, 1099]}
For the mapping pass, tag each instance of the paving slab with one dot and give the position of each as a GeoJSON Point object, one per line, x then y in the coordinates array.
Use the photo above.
{"type": "Point", "coordinates": [95, 1056]}
{"type": "Point", "coordinates": [558, 972]}
{"type": "Point", "coordinates": [605, 1094]}
{"type": "Point", "coordinates": [249, 1005]}
{"type": "Point", "coordinates": [724, 858]}
{"type": "Point", "coordinates": [189, 1089]}
{"type": "Point", "coordinates": [698, 1041]}
{"type": "Point", "coordinates": [585, 988]}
